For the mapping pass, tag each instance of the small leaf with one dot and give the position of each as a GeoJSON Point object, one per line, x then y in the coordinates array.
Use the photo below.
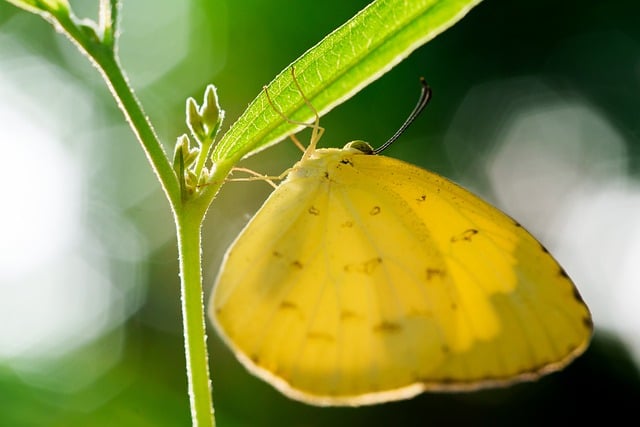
{"type": "Point", "coordinates": [180, 153]}
{"type": "Point", "coordinates": [212, 115]}
{"type": "Point", "coordinates": [194, 121]}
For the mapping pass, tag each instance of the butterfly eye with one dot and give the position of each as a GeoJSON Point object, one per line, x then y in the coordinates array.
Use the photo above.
{"type": "Point", "coordinates": [360, 146]}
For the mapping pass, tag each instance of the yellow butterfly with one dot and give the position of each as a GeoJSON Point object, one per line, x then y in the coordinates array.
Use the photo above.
{"type": "Point", "coordinates": [364, 279]}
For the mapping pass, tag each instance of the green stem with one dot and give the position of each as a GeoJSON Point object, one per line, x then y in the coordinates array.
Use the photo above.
{"type": "Point", "coordinates": [203, 155]}
{"type": "Point", "coordinates": [187, 214]}
{"type": "Point", "coordinates": [194, 318]}
{"type": "Point", "coordinates": [107, 63]}
{"type": "Point", "coordinates": [142, 127]}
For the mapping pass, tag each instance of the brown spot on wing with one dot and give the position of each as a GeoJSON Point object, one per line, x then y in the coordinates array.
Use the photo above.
{"type": "Point", "coordinates": [288, 305]}
{"type": "Point", "coordinates": [465, 236]}
{"type": "Point", "coordinates": [443, 380]}
{"type": "Point", "coordinates": [387, 327]}
{"type": "Point", "coordinates": [577, 295]}
{"type": "Point", "coordinates": [367, 267]}
{"type": "Point", "coordinates": [349, 315]}
{"type": "Point", "coordinates": [435, 272]}
{"type": "Point", "coordinates": [563, 273]}
{"type": "Point", "coordinates": [320, 336]}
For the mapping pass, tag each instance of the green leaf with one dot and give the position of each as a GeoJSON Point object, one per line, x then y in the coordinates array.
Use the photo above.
{"type": "Point", "coordinates": [41, 6]}
{"type": "Point", "coordinates": [354, 55]}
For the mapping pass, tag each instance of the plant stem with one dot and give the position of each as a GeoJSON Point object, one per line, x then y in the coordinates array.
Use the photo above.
{"type": "Point", "coordinates": [104, 58]}
{"type": "Point", "coordinates": [188, 224]}
{"type": "Point", "coordinates": [193, 318]}
{"type": "Point", "coordinates": [141, 126]}
{"type": "Point", "coordinates": [188, 217]}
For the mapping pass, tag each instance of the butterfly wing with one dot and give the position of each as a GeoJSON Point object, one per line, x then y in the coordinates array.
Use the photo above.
{"type": "Point", "coordinates": [364, 279]}
{"type": "Point", "coordinates": [504, 307]}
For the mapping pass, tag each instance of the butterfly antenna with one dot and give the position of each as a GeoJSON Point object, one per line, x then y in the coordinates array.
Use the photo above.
{"type": "Point", "coordinates": [425, 96]}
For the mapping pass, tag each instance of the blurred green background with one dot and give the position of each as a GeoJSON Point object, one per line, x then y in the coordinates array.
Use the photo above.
{"type": "Point", "coordinates": [536, 107]}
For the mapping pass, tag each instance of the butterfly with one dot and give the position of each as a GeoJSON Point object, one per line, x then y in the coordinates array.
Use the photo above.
{"type": "Point", "coordinates": [364, 279]}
